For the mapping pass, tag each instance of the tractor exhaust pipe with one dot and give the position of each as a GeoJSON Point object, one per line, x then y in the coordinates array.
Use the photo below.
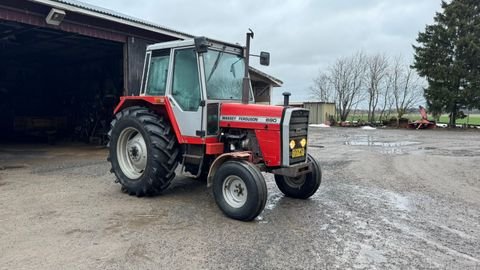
{"type": "Point", "coordinates": [246, 79]}
{"type": "Point", "coordinates": [286, 97]}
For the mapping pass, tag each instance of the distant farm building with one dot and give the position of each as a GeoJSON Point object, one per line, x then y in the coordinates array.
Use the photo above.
{"type": "Point", "coordinates": [320, 112]}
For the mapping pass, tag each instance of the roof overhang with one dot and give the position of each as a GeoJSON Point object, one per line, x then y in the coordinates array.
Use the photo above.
{"type": "Point", "coordinates": [109, 15]}
{"type": "Point", "coordinates": [265, 77]}
{"type": "Point", "coordinates": [113, 16]}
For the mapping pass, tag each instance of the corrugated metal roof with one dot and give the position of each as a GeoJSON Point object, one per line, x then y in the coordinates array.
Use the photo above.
{"type": "Point", "coordinates": [113, 14]}
{"type": "Point", "coordinates": [276, 82]}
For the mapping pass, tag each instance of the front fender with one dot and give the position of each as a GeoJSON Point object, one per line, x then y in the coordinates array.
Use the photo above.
{"type": "Point", "coordinates": [245, 155]}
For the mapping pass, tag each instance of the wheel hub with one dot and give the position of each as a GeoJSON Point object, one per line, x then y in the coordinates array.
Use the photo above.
{"type": "Point", "coordinates": [132, 153]}
{"type": "Point", "coordinates": [295, 182]}
{"type": "Point", "coordinates": [235, 191]}
{"type": "Point", "coordinates": [136, 151]}
{"type": "Point", "coordinates": [238, 190]}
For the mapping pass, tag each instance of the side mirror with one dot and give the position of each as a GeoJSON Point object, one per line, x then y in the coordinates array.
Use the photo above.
{"type": "Point", "coordinates": [201, 44]}
{"type": "Point", "coordinates": [264, 58]}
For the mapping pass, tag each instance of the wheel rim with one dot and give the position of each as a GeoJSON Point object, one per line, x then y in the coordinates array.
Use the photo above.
{"type": "Point", "coordinates": [132, 153]}
{"type": "Point", "coordinates": [295, 182]}
{"type": "Point", "coordinates": [235, 191]}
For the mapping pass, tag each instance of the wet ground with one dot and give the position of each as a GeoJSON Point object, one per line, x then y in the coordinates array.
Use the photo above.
{"type": "Point", "coordinates": [390, 199]}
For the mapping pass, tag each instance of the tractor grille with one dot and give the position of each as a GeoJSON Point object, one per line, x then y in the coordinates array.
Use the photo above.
{"type": "Point", "coordinates": [298, 130]}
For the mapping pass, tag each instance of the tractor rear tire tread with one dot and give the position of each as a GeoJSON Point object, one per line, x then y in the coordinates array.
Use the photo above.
{"type": "Point", "coordinates": [162, 151]}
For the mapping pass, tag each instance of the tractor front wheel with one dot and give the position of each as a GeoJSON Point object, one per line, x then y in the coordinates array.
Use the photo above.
{"type": "Point", "coordinates": [143, 151]}
{"type": "Point", "coordinates": [240, 190]}
{"type": "Point", "coordinates": [301, 187]}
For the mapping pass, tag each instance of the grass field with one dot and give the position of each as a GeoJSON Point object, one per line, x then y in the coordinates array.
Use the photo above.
{"type": "Point", "coordinates": [472, 119]}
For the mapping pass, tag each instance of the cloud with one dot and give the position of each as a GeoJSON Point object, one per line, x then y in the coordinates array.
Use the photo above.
{"type": "Point", "coordinates": [302, 36]}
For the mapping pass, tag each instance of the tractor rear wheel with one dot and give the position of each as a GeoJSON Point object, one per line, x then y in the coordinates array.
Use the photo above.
{"type": "Point", "coordinates": [301, 187]}
{"type": "Point", "coordinates": [240, 190]}
{"type": "Point", "coordinates": [143, 151]}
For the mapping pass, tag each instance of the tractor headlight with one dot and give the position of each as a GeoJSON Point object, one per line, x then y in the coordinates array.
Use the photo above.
{"type": "Point", "coordinates": [303, 142]}
{"type": "Point", "coordinates": [292, 144]}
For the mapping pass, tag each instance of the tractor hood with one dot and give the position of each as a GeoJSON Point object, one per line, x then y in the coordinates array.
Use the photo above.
{"type": "Point", "coordinates": [251, 116]}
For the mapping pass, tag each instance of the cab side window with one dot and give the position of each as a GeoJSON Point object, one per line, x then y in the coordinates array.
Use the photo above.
{"type": "Point", "coordinates": [158, 72]}
{"type": "Point", "coordinates": [186, 85]}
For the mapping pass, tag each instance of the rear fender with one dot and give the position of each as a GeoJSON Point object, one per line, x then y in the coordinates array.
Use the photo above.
{"type": "Point", "coordinates": [246, 155]}
{"type": "Point", "coordinates": [150, 102]}
{"type": "Point", "coordinates": [158, 104]}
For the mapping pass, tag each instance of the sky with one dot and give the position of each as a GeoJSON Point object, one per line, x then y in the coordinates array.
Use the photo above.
{"type": "Point", "coordinates": [302, 36]}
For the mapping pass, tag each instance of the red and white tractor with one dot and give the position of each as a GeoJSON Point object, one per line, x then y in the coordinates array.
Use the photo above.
{"type": "Point", "coordinates": [196, 108]}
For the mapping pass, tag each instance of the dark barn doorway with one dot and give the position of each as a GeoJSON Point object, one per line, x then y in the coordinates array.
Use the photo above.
{"type": "Point", "coordinates": [57, 86]}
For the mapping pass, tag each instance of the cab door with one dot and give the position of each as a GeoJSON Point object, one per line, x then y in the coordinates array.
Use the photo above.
{"type": "Point", "coordinates": [185, 92]}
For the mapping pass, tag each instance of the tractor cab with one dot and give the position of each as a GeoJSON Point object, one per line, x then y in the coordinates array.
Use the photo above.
{"type": "Point", "coordinates": [195, 75]}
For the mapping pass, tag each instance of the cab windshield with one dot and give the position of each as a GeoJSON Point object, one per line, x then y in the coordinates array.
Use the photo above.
{"type": "Point", "coordinates": [223, 75]}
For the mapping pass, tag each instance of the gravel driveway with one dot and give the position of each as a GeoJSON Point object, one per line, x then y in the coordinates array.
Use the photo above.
{"type": "Point", "coordinates": [390, 199]}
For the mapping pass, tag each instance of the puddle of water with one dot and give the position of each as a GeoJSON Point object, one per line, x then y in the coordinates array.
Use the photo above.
{"type": "Point", "coordinates": [427, 148]}
{"type": "Point", "coordinates": [392, 151]}
{"type": "Point", "coordinates": [272, 202]}
{"type": "Point", "coordinates": [261, 220]}
{"type": "Point", "coordinates": [324, 227]}
{"type": "Point", "coordinates": [379, 143]}
{"type": "Point", "coordinates": [369, 255]}
{"type": "Point", "coordinates": [387, 147]}
{"type": "Point", "coordinates": [384, 198]}
{"type": "Point", "coordinates": [399, 201]}
{"type": "Point", "coordinates": [470, 152]}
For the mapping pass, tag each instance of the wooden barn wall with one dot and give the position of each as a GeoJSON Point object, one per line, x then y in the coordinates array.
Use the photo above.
{"type": "Point", "coordinates": [135, 56]}
{"type": "Point", "coordinates": [261, 91]}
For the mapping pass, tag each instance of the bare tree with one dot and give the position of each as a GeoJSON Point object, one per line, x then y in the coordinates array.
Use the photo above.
{"type": "Point", "coordinates": [406, 87]}
{"type": "Point", "coordinates": [322, 88]}
{"type": "Point", "coordinates": [387, 85]}
{"type": "Point", "coordinates": [387, 98]}
{"type": "Point", "coordinates": [377, 68]}
{"type": "Point", "coordinates": [347, 78]}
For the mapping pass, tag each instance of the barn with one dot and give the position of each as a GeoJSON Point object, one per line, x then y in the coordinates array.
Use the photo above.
{"type": "Point", "coordinates": [64, 64]}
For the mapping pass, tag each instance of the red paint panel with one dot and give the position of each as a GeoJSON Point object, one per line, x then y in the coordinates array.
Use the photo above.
{"type": "Point", "coordinates": [268, 134]}
{"type": "Point", "coordinates": [251, 110]}
{"type": "Point", "coordinates": [211, 140]}
{"type": "Point", "coordinates": [255, 110]}
{"type": "Point", "coordinates": [214, 148]}
{"type": "Point", "coordinates": [125, 100]}
{"type": "Point", "coordinates": [269, 141]}
{"type": "Point", "coordinates": [128, 101]}
{"type": "Point", "coordinates": [248, 125]}
{"type": "Point", "coordinates": [198, 140]}
{"type": "Point", "coordinates": [120, 106]}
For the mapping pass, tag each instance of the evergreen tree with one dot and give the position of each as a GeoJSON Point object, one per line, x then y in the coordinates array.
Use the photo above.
{"type": "Point", "coordinates": [448, 56]}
